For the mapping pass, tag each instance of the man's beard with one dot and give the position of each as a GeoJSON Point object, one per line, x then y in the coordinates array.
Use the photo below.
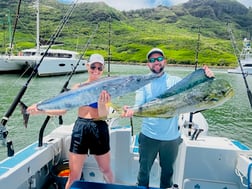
{"type": "Point", "coordinates": [157, 72]}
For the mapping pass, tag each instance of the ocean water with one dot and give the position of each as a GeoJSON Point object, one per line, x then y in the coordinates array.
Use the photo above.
{"type": "Point", "coordinates": [232, 119]}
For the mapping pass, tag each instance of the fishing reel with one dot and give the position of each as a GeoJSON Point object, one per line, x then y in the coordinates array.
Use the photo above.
{"type": "Point", "coordinates": [3, 138]}
{"type": "Point", "coordinates": [3, 134]}
{"type": "Point", "coordinates": [191, 129]}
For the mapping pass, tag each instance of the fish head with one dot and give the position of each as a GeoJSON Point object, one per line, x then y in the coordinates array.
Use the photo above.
{"type": "Point", "coordinates": [221, 91]}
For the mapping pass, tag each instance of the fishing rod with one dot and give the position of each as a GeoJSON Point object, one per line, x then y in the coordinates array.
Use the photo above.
{"type": "Point", "coordinates": [196, 66]}
{"type": "Point", "coordinates": [236, 53]}
{"type": "Point", "coordinates": [197, 49]}
{"type": "Point", "coordinates": [64, 88]}
{"type": "Point", "coordinates": [109, 59]}
{"type": "Point", "coordinates": [15, 25]}
{"type": "Point", "coordinates": [109, 44]}
{"type": "Point", "coordinates": [3, 131]}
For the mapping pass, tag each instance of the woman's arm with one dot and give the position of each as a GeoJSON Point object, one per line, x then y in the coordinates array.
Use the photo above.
{"type": "Point", "coordinates": [33, 110]}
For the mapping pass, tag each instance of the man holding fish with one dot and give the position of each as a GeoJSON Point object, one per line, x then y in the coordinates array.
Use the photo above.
{"type": "Point", "coordinates": [158, 136]}
{"type": "Point", "coordinates": [90, 135]}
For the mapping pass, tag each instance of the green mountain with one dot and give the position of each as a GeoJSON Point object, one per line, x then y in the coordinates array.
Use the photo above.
{"type": "Point", "coordinates": [128, 35]}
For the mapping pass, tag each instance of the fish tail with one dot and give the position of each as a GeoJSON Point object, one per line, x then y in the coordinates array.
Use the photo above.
{"type": "Point", "coordinates": [24, 113]}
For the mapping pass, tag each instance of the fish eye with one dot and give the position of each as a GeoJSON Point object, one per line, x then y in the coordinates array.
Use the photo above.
{"type": "Point", "coordinates": [223, 92]}
{"type": "Point", "coordinates": [214, 99]}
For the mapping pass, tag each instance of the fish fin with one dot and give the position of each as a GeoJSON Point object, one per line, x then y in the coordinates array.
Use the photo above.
{"type": "Point", "coordinates": [24, 113]}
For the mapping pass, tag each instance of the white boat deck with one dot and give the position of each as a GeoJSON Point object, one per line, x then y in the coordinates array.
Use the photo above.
{"type": "Point", "coordinates": [209, 162]}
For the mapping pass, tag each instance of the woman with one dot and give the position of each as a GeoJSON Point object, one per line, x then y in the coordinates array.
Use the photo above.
{"type": "Point", "coordinates": [90, 135]}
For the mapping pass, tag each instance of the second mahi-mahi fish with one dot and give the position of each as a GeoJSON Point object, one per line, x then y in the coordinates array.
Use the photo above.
{"type": "Point", "coordinates": [200, 97]}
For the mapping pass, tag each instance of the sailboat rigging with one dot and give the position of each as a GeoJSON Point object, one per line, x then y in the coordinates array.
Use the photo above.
{"type": "Point", "coordinates": [5, 64]}
{"type": "Point", "coordinates": [55, 62]}
{"type": "Point", "coordinates": [17, 100]}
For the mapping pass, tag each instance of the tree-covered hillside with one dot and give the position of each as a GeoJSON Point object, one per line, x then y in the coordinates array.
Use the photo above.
{"type": "Point", "coordinates": [128, 35]}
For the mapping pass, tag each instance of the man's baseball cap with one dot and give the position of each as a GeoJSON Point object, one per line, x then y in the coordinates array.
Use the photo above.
{"type": "Point", "coordinates": [154, 50]}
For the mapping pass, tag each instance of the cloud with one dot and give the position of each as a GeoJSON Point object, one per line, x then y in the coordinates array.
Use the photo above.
{"type": "Point", "coordinates": [247, 3]}
{"type": "Point", "coordinates": [127, 4]}
{"type": "Point", "coordinates": [138, 4]}
{"type": "Point", "coordinates": [117, 4]}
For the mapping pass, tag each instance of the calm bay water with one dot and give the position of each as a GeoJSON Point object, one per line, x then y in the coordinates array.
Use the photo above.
{"type": "Point", "coordinates": [233, 119]}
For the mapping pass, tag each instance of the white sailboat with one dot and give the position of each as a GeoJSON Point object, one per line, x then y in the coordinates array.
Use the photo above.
{"type": "Point", "coordinates": [55, 62]}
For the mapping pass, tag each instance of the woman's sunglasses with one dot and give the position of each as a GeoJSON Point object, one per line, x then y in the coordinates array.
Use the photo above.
{"type": "Point", "coordinates": [93, 67]}
{"type": "Point", "coordinates": [159, 59]}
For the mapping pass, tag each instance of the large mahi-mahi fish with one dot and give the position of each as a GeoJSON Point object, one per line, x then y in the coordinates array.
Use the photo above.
{"type": "Point", "coordinates": [202, 96]}
{"type": "Point", "coordinates": [89, 93]}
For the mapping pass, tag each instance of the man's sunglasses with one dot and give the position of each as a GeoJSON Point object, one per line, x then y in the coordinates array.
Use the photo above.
{"type": "Point", "coordinates": [100, 68]}
{"type": "Point", "coordinates": [159, 59]}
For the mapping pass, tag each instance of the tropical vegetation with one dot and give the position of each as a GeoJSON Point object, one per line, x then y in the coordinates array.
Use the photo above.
{"type": "Point", "coordinates": [195, 31]}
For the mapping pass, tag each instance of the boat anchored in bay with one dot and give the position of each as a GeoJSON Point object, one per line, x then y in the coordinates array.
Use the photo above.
{"type": "Point", "coordinates": [55, 61]}
{"type": "Point", "coordinates": [245, 59]}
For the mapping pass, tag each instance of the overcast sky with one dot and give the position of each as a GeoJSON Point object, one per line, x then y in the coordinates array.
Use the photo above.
{"type": "Point", "coordinates": [137, 4]}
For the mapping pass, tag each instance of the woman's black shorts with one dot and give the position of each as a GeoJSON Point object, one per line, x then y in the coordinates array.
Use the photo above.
{"type": "Point", "coordinates": [90, 137]}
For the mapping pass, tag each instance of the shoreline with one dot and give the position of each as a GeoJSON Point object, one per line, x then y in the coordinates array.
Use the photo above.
{"type": "Point", "coordinates": [173, 65]}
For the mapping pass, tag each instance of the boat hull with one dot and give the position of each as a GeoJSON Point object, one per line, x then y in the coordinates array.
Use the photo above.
{"type": "Point", "coordinates": [55, 62]}
{"type": "Point", "coordinates": [7, 65]}
{"type": "Point", "coordinates": [237, 70]}
{"type": "Point", "coordinates": [50, 66]}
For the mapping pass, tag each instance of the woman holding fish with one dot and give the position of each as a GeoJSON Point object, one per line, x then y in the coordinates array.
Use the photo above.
{"type": "Point", "coordinates": [158, 136]}
{"type": "Point", "coordinates": [90, 135]}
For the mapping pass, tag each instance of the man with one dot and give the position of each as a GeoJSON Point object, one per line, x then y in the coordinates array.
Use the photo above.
{"type": "Point", "coordinates": [158, 136]}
